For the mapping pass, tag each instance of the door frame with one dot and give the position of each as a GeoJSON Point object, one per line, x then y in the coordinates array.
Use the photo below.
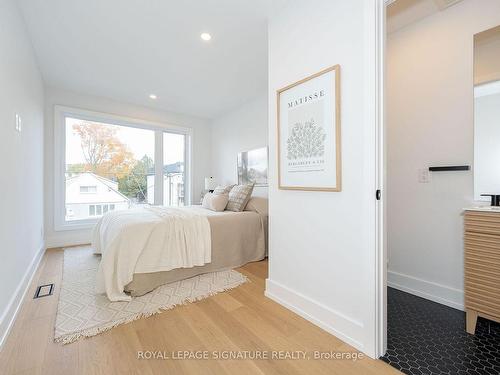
{"type": "Point", "coordinates": [376, 32]}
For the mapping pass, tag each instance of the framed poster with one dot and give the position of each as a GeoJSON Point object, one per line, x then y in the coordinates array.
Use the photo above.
{"type": "Point", "coordinates": [309, 155]}
{"type": "Point", "coordinates": [252, 167]}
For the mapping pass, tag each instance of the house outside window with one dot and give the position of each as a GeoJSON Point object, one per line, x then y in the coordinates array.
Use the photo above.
{"type": "Point", "coordinates": [109, 165]}
{"type": "Point", "coordinates": [89, 195]}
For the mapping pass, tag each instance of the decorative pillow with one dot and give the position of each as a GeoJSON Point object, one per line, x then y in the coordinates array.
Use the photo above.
{"type": "Point", "coordinates": [239, 197]}
{"type": "Point", "coordinates": [215, 202]}
{"type": "Point", "coordinates": [223, 189]}
{"type": "Point", "coordinates": [259, 205]}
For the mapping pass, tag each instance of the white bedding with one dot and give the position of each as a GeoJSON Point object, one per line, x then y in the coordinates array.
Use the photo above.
{"type": "Point", "coordinates": [144, 240]}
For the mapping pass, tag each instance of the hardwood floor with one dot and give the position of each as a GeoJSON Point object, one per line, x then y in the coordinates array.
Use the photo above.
{"type": "Point", "coordinates": [239, 320]}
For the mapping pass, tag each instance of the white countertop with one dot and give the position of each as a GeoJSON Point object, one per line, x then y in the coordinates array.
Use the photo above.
{"type": "Point", "coordinates": [484, 209]}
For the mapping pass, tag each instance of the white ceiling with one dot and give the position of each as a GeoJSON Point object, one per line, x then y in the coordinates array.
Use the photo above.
{"type": "Point", "coordinates": [128, 49]}
{"type": "Point", "coordinates": [487, 56]}
{"type": "Point", "coordinates": [401, 13]}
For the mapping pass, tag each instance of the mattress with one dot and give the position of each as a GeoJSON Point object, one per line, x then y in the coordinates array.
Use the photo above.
{"type": "Point", "coordinates": [237, 238]}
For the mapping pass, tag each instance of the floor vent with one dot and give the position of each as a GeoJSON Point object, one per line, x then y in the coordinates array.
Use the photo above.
{"type": "Point", "coordinates": [44, 291]}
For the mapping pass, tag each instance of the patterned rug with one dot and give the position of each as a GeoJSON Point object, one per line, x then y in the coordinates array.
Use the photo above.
{"type": "Point", "coordinates": [83, 313]}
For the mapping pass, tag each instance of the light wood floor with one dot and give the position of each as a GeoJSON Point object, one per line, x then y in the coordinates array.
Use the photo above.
{"type": "Point", "coordinates": [241, 319]}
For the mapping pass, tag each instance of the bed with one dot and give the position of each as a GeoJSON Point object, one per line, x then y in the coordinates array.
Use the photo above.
{"type": "Point", "coordinates": [136, 259]}
{"type": "Point", "coordinates": [237, 239]}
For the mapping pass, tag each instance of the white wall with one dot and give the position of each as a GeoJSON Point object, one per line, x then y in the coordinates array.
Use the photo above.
{"type": "Point", "coordinates": [321, 244]}
{"type": "Point", "coordinates": [21, 215]}
{"type": "Point", "coordinates": [53, 96]}
{"type": "Point", "coordinates": [242, 129]}
{"type": "Point", "coordinates": [430, 122]}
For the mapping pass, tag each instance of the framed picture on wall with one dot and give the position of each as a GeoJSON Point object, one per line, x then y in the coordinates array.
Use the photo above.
{"type": "Point", "coordinates": [252, 167]}
{"type": "Point", "coordinates": [309, 156]}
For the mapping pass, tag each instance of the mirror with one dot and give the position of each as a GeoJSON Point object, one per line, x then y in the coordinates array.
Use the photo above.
{"type": "Point", "coordinates": [487, 113]}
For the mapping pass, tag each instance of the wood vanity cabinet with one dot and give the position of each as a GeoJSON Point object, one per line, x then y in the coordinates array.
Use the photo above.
{"type": "Point", "coordinates": [482, 266]}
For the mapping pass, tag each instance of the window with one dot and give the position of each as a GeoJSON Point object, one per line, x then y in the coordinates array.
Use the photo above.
{"type": "Point", "coordinates": [107, 163]}
{"type": "Point", "coordinates": [173, 169]}
{"type": "Point", "coordinates": [88, 189]}
{"type": "Point", "coordinates": [110, 162]}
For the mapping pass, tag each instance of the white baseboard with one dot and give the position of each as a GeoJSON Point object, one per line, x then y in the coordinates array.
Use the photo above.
{"type": "Point", "coordinates": [10, 313]}
{"type": "Point", "coordinates": [337, 324]}
{"type": "Point", "coordinates": [427, 289]}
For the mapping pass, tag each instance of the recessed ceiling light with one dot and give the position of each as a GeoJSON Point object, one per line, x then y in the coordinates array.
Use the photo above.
{"type": "Point", "coordinates": [206, 36]}
{"type": "Point", "coordinates": [152, 96]}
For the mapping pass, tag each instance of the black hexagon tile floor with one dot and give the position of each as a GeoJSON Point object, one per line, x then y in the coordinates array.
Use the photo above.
{"type": "Point", "coordinates": [425, 337]}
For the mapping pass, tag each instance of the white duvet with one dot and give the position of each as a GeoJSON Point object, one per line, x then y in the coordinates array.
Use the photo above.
{"type": "Point", "coordinates": [143, 240]}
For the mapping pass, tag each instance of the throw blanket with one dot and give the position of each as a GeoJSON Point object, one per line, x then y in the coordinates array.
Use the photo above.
{"type": "Point", "coordinates": [144, 240]}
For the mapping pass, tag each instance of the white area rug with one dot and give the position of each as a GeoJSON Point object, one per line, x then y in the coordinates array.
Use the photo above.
{"type": "Point", "coordinates": [83, 313]}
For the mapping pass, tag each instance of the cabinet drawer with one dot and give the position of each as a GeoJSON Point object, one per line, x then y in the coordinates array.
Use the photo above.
{"type": "Point", "coordinates": [482, 262]}
{"type": "Point", "coordinates": [482, 253]}
{"type": "Point", "coordinates": [482, 222]}
{"type": "Point", "coordinates": [480, 282]}
{"type": "Point", "coordinates": [481, 275]}
{"type": "Point", "coordinates": [482, 243]}
{"type": "Point", "coordinates": [482, 291]}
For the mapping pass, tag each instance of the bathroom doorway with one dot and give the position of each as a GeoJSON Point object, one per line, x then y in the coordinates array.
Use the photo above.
{"type": "Point", "coordinates": [438, 53]}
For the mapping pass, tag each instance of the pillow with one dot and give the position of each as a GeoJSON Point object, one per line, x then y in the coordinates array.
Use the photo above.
{"type": "Point", "coordinates": [238, 197]}
{"type": "Point", "coordinates": [223, 189]}
{"type": "Point", "coordinates": [215, 202]}
{"type": "Point", "coordinates": [259, 205]}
